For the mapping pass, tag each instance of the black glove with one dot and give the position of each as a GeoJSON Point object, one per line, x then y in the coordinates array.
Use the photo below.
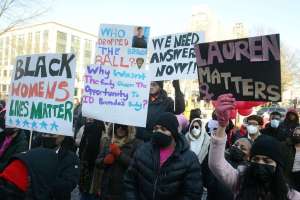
{"type": "Point", "coordinates": [176, 84]}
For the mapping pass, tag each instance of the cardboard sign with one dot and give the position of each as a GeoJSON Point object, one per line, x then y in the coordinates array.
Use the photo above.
{"type": "Point", "coordinates": [248, 68]}
{"type": "Point", "coordinates": [117, 87]}
{"type": "Point", "coordinates": [122, 46]}
{"type": "Point", "coordinates": [173, 56]}
{"type": "Point", "coordinates": [41, 93]}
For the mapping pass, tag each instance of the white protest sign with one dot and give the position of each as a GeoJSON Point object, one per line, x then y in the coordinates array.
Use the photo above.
{"type": "Point", "coordinates": [173, 56]}
{"type": "Point", "coordinates": [117, 87]}
{"type": "Point", "coordinates": [41, 93]}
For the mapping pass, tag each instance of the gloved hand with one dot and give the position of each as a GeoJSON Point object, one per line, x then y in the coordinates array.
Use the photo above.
{"type": "Point", "coordinates": [225, 103]}
{"type": "Point", "coordinates": [176, 84]}
{"type": "Point", "coordinates": [109, 159]}
{"type": "Point", "coordinates": [114, 149]}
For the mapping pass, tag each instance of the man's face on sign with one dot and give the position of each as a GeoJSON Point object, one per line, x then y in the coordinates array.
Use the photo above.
{"type": "Point", "coordinates": [140, 32]}
{"type": "Point", "coordinates": [139, 62]}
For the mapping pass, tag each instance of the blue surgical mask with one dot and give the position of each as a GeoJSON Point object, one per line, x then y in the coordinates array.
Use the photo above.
{"type": "Point", "coordinates": [275, 123]}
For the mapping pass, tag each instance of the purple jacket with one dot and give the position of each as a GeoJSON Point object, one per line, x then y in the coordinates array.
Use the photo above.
{"type": "Point", "coordinates": [225, 172]}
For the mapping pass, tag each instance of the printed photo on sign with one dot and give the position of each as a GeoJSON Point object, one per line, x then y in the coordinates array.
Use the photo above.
{"type": "Point", "coordinates": [172, 57]}
{"type": "Point", "coordinates": [41, 93]}
{"type": "Point", "coordinates": [122, 46]}
{"type": "Point", "coordinates": [249, 68]}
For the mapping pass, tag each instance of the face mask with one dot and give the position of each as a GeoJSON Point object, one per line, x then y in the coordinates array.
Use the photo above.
{"type": "Point", "coordinates": [275, 123]}
{"type": "Point", "coordinates": [296, 139]}
{"type": "Point", "coordinates": [162, 140]}
{"type": "Point", "coordinates": [252, 130]}
{"type": "Point", "coordinates": [236, 154]}
{"type": "Point", "coordinates": [49, 142]}
{"type": "Point", "coordinates": [262, 173]}
{"type": "Point", "coordinates": [196, 132]}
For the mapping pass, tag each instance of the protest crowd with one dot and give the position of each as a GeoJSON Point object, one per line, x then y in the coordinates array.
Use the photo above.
{"type": "Point", "coordinates": [157, 155]}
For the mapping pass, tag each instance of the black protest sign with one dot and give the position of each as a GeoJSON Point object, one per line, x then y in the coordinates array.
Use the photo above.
{"type": "Point", "coordinates": [249, 68]}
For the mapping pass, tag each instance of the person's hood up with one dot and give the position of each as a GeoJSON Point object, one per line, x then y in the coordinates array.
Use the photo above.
{"type": "Point", "coordinates": [195, 120]}
{"type": "Point", "coordinates": [131, 133]}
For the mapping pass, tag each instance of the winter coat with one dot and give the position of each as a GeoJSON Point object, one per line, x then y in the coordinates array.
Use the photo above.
{"type": "Point", "coordinates": [216, 190]}
{"type": "Point", "coordinates": [274, 132]}
{"type": "Point", "coordinates": [225, 172]}
{"type": "Point", "coordinates": [289, 151]}
{"type": "Point", "coordinates": [19, 144]}
{"type": "Point", "coordinates": [161, 104]}
{"type": "Point", "coordinates": [287, 127]}
{"type": "Point", "coordinates": [88, 151]}
{"type": "Point", "coordinates": [53, 176]}
{"type": "Point", "coordinates": [204, 139]}
{"type": "Point", "coordinates": [179, 178]}
{"type": "Point", "coordinates": [111, 186]}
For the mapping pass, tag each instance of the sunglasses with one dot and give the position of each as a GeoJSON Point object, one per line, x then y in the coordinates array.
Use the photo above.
{"type": "Point", "coordinates": [196, 127]}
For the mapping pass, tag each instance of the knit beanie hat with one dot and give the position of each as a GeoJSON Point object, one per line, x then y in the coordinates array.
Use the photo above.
{"type": "Point", "coordinates": [169, 121]}
{"type": "Point", "coordinates": [267, 146]}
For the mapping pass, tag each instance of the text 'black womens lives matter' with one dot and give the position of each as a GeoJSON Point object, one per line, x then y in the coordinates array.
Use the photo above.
{"type": "Point", "coordinates": [249, 68]}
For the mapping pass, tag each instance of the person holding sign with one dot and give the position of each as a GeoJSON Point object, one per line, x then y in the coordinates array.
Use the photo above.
{"type": "Point", "coordinates": [264, 178]}
{"type": "Point", "coordinates": [159, 102]}
{"type": "Point", "coordinates": [114, 159]}
{"type": "Point", "coordinates": [42, 173]}
{"type": "Point", "coordinates": [165, 168]}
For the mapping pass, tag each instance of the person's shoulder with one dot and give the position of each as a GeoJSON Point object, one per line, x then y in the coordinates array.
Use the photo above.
{"type": "Point", "coordinates": [143, 149]}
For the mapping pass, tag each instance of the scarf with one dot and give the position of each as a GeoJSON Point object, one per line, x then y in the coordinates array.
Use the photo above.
{"type": "Point", "coordinates": [6, 143]}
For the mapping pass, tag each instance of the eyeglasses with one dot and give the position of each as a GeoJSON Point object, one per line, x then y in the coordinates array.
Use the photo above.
{"type": "Point", "coordinates": [196, 127]}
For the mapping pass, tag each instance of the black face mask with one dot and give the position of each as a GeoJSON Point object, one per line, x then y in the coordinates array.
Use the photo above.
{"type": "Point", "coordinates": [262, 173]}
{"type": "Point", "coordinates": [161, 139]}
{"type": "Point", "coordinates": [236, 155]}
{"type": "Point", "coordinates": [296, 139]}
{"type": "Point", "coordinates": [49, 142]}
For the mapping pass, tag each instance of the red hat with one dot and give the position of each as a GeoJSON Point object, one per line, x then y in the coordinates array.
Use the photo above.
{"type": "Point", "coordinates": [16, 173]}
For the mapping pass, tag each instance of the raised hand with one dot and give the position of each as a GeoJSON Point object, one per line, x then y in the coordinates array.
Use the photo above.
{"type": "Point", "coordinates": [225, 104]}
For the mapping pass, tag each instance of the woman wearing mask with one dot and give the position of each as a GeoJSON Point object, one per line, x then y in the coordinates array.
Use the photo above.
{"type": "Point", "coordinates": [292, 150]}
{"type": "Point", "coordinates": [263, 179]}
{"type": "Point", "coordinates": [199, 140]}
{"type": "Point", "coordinates": [115, 156]}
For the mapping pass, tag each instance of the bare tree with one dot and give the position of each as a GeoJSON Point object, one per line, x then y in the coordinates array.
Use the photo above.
{"type": "Point", "coordinates": [14, 13]}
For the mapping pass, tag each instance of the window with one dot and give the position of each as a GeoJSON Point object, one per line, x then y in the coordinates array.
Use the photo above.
{"type": "Point", "coordinates": [37, 42]}
{"type": "Point", "coordinates": [76, 92]}
{"type": "Point", "coordinates": [21, 45]}
{"type": "Point", "coordinates": [75, 48]}
{"type": "Point", "coordinates": [45, 41]}
{"type": "Point", "coordinates": [1, 52]}
{"type": "Point", "coordinates": [13, 50]}
{"type": "Point", "coordinates": [6, 51]}
{"type": "Point", "coordinates": [4, 88]}
{"type": "Point", "coordinates": [87, 52]}
{"type": "Point", "coordinates": [29, 44]}
{"type": "Point", "coordinates": [5, 73]}
{"type": "Point", "coordinates": [61, 42]}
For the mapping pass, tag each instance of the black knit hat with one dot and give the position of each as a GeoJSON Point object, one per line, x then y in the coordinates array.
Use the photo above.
{"type": "Point", "coordinates": [170, 122]}
{"type": "Point", "coordinates": [160, 84]}
{"type": "Point", "coordinates": [267, 146]}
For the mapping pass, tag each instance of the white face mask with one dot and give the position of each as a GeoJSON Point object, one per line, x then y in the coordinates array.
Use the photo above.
{"type": "Point", "coordinates": [275, 123]}
{"type": "Point", "coordinates": [196, 132]}
{"type": "Point", "coordinates": [252, 130]}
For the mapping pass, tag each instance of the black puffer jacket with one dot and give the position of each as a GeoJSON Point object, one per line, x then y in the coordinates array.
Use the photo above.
{"type": "Point", "coordinates": [162, 104]}
{"type": "Point", "coordinates": [179, 178]}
